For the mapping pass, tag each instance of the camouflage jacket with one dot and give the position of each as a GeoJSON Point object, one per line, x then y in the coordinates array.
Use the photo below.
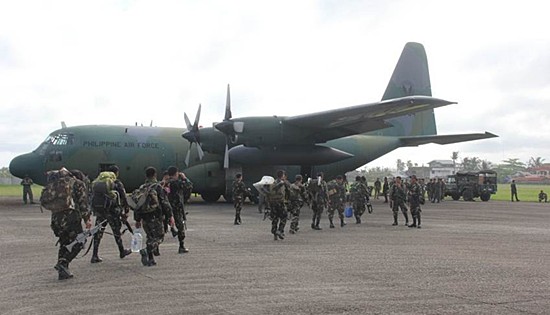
{"type": "Point", "coordinates": [398, 193]}
{"type": "Point", "coordinates": [318, 191]}
{"type": "Point", "coordinates": [414, 194]}
{"type": "Point", "coordinates": [336, 192]}
{"type": "Point", "coordinates": [358, 192]}
{"type": "Point", "coordinates": [178, 187]}
{"type": "Point", "coordinates": [239, 190]}
{"type": "Point", "coordinates": [27, 182]}
{"type": "Point", "coordinates": [297, 193]}
{"type": "Point", "coordinates": [80, 197]}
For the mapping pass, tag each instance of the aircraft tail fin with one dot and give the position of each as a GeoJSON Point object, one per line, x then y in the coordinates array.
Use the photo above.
{"type": "Point", "coordinates": [411, 77]}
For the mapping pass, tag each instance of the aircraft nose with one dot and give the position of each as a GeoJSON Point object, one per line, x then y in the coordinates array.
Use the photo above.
{"type": "Point", "coordinates": [26, 164]}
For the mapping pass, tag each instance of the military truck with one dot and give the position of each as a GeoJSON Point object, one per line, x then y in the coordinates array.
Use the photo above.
{"type": "Point", "coordinates": [470, 185]}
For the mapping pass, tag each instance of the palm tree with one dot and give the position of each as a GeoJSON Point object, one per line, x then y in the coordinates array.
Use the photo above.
{"type": "Point", "coordinates": [535, 162]}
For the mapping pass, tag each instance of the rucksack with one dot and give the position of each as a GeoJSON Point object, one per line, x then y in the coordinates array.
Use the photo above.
{"type": "Point", "coordinates": [103, 189]}
{"type": "Point", "coordinates": [57, 194]}
{"type": "Point", "coordinates": [145, 198]}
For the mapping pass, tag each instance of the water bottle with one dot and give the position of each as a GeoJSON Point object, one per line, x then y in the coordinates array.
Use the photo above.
{"type": "Point", "coordinates": [137, 241]}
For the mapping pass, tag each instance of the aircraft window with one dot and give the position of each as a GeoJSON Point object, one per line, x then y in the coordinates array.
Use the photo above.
{"type": "Point", "coordinates": [60, 139]}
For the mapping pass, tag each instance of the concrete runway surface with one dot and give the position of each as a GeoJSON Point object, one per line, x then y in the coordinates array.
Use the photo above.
{"type": "Point", "coordinates": [468, 258]}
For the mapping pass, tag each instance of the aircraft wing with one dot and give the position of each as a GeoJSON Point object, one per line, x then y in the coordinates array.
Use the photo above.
{"type": "Point", "coordinates": [353, 120]}
{"type": "Point", "coordinates": [414, 141]}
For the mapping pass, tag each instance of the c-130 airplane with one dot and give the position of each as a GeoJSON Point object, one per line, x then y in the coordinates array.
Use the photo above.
{"type": "Point", "coordinates": [333, 142]}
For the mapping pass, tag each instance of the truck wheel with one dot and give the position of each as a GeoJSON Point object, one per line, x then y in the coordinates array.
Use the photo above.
{"type": "Point", "coordinates": [468, 195]}
{"type": "Point", "coordinates": [485, 196]}
{"type": "Point", "coordinates": [455, 196]}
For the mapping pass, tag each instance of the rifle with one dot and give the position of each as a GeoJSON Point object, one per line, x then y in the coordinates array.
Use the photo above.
{"type": "Point", "coordinates": [128, 226]}
{"type": "Point", "coordinates": [81, 238]}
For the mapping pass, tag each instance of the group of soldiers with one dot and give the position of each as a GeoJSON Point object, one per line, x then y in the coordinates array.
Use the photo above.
{"type": "Point", "coordinates": [283, 200]}
{"type": "Point", "coordinates": [72, 198]}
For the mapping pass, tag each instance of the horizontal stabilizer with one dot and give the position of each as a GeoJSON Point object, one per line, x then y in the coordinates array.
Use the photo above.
{"type": "Point", "coordinates": [414, 141]}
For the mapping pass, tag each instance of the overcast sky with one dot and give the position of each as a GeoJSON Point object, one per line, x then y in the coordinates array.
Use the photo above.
{"type": "Point", "coordinates": [121, 62]}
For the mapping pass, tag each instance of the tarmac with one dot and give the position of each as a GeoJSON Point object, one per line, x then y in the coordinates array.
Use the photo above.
{"type": "Point", "coordinates": [468, 258]}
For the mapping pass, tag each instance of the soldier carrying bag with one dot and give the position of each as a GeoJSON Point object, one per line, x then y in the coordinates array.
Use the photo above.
{"type": "Point", "coordinates": [145, 199]}
{"type": "Point", "coordinates": [104, 194]}
{"type": "Point", "coordinates": [57, 196]}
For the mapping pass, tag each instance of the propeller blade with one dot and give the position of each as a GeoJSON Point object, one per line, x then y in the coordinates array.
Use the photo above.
{"type": "Point", "coordinates": [188, 154]}
{"type": "Point", "coordinates": [187, 122]}
{"type": "Point", "coordinates": [226, 157]}
{"type": "Point", "coordinates": [228, 105]}
{"type": "Point", "coordinates": [197, 117]}
{"type": "Point", "coordinates": [200, 151]}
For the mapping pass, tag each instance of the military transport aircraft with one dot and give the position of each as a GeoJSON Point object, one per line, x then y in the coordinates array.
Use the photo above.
{"type": "Point", "coordinates": [334, 141]}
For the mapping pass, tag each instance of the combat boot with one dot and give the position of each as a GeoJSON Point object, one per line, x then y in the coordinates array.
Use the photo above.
{"type": "Point", "coordinates": [275, 238]}
{"type": "Point", "coordinates": [357, 220]}
{"type": "Point", "coordinates": [122, 251]}
{"type": "Point", "coordinates": [331, 224]}
{"type": "Point", "coordinates": [95, 256]}
{"type": "Point", "coordinates": [406, 218]}
{"type": "Point", "coordinates": [414, 223]}
{"type": "Point", "coordinates": [144, 257]}
{"type": "Point", "coordinates": [151, 261]}
{"type": "Point", "coordinates": [239, 218]}
{"type": "Point", "coordinates": [237, 221]}
{"type": "Point", "coordinates": [394, 219]}
{"type": "Point", "coordinates": [313, 224]}
{"type": "Point", "coordinates": [342, 223]}
{"type": "Point", "coordinates": [280, 234]}
{"type": "Point", "coordinates": [63, 271]}
{"type": "Point", "coordinates": [182, 249]}
{"type": "Point", "coordinates": [419, 221]}
{"type": "Point", "coordinates": [317, 221]}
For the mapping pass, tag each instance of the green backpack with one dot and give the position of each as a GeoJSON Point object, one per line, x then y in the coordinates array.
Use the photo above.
{"type": "Point", "coordinates": [145, 199]}
{"type": "Point", "coordinates": [57, 194]}
{"type": "Point", "coordinates": [103, 189]}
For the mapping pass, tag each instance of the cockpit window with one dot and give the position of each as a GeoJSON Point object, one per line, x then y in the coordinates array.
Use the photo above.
{"type": "Point", "coordinates": [60, 139]}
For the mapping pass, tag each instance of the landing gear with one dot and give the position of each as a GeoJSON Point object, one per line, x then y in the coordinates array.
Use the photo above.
{"type": "Point", "coordinates": [210, 196]}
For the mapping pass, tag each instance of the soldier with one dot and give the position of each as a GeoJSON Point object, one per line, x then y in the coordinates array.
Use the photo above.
{"type": "Point", "coordinates": [543, 196]}
{"type": "Point", "coordinates": [398, 197]}
{"type": "Point", "coordinates": [27, 191]}
{"type": "Point", "coordinates": [414, 194]}
{"type": "Point", "coordinates": [179, 186]}
{"type": "Point", "coordinates": [239, 193]}
{"type": "Point", "coordinates": [514, 190]}
{"type": "Point", "coordinates": [297, 199]}
{"type": "Point", "coordinates": [377, 187]}
{"type": "Point", "coordinates": [66, 223]}
{"type": "Point", "coordinates": [277, 195]}
{"type": "Point", "coordinates": [385, 189]}
{"type": "Point", "coordinates": [317, 190]}
{"type": "Point", "coordinates": [359, 198]}
{"type": "Point", "coordinates": [337, 197]}
{"type": "Point", "coordinates": [109, 203]}
{"type": "Point", "coordinates": [151, 215]}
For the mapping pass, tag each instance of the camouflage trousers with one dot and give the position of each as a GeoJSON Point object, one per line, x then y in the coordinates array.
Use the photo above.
{"type": "Point", "coordinates": [238, 204]}
{"type": "Point", "coordinates": [279, 215]}
{"type": "Point", "coordinates": [333, 207]}
{"type": "Point", "coordinates": [399, 204]}
{"type": "Point", "coordinates": [152, 225]}
{"type": "Point", "coordinates": [179, 219]}
{"type": "Point", "coordinates": [358, 208]}
{"type": "Point", "coordinates": [415, 211]}
{"type": "Point", "coordinates": [294, 212]}
{"type": "Point", "coordinates": [27, 191]}
{"type": "Point", "coordinates": [113, 219]}
{"type": "Point", "coordinates": [317, 209]}
{"type": "Point", "coordinates": [67, 225]}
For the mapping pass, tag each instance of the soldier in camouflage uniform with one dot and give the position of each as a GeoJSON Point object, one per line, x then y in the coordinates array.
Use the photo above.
{"type": "Point", "coordinates": [414, 194]}
{"type": "Point", "coordinates": [239, 193]}
{"type": "Point", "coordinates": [297, 199]}
{"type": "Point", "coordinates": [318, 195]}
{"type": "Point", "coordinates": [398, 197]}
{"type": "Point", "coordinates": [277, 196]}
{"type": "Point", "coordinates": [178, 186]}
{"type": "Point", "coordinates": [337, 197]}
{"type": "Point", "coordinates": [114, 212]}
{"type": "Point", "coordinates": [67, 225]}
{"type": "Point", "coordinates": [359, 198]}
{"type": "Point", "coordinates": [152, 221]}
{"type": "Point", "coordinates": [385, 189]}
{"type": "Point", "coordinates": [27, 191]}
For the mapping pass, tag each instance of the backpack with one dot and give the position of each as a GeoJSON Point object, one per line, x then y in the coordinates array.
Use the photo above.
{"type": "Point", "coordinates": [103, 189]}
{"type": "Point", "coordinates": [57, 194]}
{"type": "Point", "coordinates": [145, 198]}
